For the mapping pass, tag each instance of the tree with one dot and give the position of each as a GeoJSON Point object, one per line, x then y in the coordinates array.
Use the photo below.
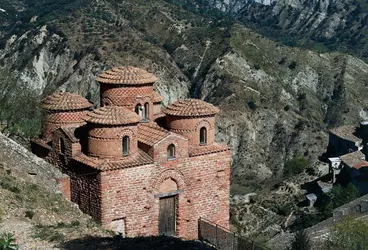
{"type": "Point", "coordinates": [349, 234]}
{"type": "Point", "coordinates": [301, 241]}
{"type": "Point", "coordinates": [295, 166]}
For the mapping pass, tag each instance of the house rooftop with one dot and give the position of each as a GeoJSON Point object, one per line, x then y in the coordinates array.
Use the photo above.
{"type": "Point", "coordinates": [354, 160]}
{"type": "Point", "coordinates": [346, 132]}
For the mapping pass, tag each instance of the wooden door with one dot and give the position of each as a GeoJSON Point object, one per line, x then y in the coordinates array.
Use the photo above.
{"type": "Point", "coordinates": [167, 216]}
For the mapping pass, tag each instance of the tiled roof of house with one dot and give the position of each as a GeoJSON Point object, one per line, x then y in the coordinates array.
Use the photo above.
{"type": "Point", "coordinates": [65, 101]}
{"type": "Point", "coordinates": [204, 150]}
{"type": "Point", "coordinates": [139, 159]}
{"type": "Point", "coordinates": [346, 132]}
{"type": "Point", "coordinates": [126, 75]}
{"type": "Point", "coordinates": [354, 160]}
{"type": "Point", "coordinates": [150, 133]}
{"type": "Point", "coordinates": [191, 107]}
{"type": "Point", "coordinates": [112, 115]}
{"type": "Point", "coordinates": [156, 97]}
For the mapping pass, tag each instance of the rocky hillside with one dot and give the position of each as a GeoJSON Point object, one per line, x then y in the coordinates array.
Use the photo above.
{"type": "Point", "coordinates": [276, 101]}
{"type": "Point", "coordinates": [320, 25]}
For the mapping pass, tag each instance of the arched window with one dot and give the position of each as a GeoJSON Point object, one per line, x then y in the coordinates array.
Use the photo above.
{"type": "Point", "coordinates": [203, 135]}
{"type": "Point", "coordinates": [171, 152]}
{"type": "Point", "coordinates": [139, 110]}
{"type": "Point", "coordinates": [62, 145]}
{"type": "Point", "coordinates": [146, 110]}
{"type": "Point", "coordinates": [126, 145]}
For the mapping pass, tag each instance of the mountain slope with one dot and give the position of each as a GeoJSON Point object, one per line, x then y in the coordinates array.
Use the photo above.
{"type": "Point", "coordinates": [332, 25]}
{"type": "Point", "coordinates": [276, 101]}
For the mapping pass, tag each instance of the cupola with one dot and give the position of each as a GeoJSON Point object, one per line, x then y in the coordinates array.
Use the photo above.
{"type": "Point", "coordinates": [129, 87]}
{"type": "Point", "coordinates": [63, 109]}
{"type": "Point", "coordinates": [112, 132]}
{"type": "Point", "coordinates": [194, 119]}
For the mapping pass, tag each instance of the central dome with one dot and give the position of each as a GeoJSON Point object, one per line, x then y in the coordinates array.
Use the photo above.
{"type": "Point", "coordinates": [126, 75]}
{"type": "Point", "coordinates": [112, 115]}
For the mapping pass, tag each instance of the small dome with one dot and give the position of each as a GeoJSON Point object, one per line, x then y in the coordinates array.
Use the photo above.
{"type": "Point", "coordinates": [112, 115]}
{"type": "Point", "coordinates": [126, 75]}
{"type": "Point", "coordinates": [156, 97]}
{"type": "Point", "coordinates": [65, 101]}
{"type": "Point", "coordinates": [191, 107]}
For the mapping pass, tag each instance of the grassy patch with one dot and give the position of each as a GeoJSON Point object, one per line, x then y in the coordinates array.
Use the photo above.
{"type": "Point", "coordinates": [48, 233]}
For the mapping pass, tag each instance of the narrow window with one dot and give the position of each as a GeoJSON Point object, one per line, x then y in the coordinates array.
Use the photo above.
{"type": "Point", "coordinates": [171, 152]}
{"type": "Point", "coordinates": [203, 135]}
{"type": "Point", "coordinates": [126, 145]}
{"type": "Point", "coordinates": [62, 146]}
{"type": "Point", "coordinates": [139, 110]}
{"type": "Point", "coordinates": [146, 110]}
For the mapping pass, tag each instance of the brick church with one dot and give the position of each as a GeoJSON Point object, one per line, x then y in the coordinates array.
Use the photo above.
{"type": "Point", "coordinates": [137, 168]}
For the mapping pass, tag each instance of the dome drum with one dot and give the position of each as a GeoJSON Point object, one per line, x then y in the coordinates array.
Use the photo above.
{"type": "Point", "coordinates": [108, 142]}
{"type": "Point", "coordinates": [63, 109]}
{"type": "Point", "coordinates": [190, 128]}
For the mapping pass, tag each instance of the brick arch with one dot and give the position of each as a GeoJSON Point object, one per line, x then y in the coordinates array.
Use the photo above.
{"type": "Point", "coordinates": [173, 174]}
{"type": "Point", "coordinates": [203, 123]}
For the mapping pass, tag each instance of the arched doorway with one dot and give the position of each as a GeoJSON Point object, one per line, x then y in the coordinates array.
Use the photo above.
{"type": "Point", "coordinates": [168, 208]}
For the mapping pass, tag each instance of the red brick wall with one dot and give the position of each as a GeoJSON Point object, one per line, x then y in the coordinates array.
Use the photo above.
{"type": "Point", "coordinates": [190, 127]}
{"type": "Point", "coordinates": [55, 120]}
{"type": "Point", "coordinates": [104, 141]}
{"type": "Point", "coordinates": [85, 189]}
{"type": "Point", "coordinates": [205, 181]}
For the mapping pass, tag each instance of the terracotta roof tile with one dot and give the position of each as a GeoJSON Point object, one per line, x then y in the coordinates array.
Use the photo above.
{"type": "Point", "coordinates": [112, 115]}
{"type": "Point", "coordinates": [65, 101]}
{"type": "Point", "coordinates": [354, 160]}
{"type": "Point", "coordinates": [156, 116]}
{"type": "Point", "coordinates": [41, 142]}
{"type": "Point", "coordinates": [150, 133]}
{"type": "Point", "coordinates": [126, 75]}
{"type": "Point", "coordinates": [203, 150]}
{"type": "Point", "coordinates": [346, 132]}
{"type": "Point", "coordinates": [139, 159]}
{"type": "Point", "coordinates": [191, 107]}
{"type": "Point", "coordinates": [156, 97]}
{"type": "Point", "coordinates": [70, 132]}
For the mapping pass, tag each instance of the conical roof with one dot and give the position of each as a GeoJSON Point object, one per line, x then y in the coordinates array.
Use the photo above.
{"type": "Point", "coordinates": [191, 107]}
{"type": "Point", "coordinates": [65, 101]}
{"type": "Point", "coordinates": [112, 115]}
{"type": "Point", "coordinates": [126, 75]}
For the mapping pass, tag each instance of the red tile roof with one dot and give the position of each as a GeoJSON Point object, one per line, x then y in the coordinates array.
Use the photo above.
{"type": "Point", "coordinates": [191, 107]}
{"type": "Point", "coordinates": [65, 101]}
{"type": "Point", "coordinates": [156, 97]}
{"type": "Point", "coordinates": [204, 150]}
{"type": "Point", "coordinates": [126, 75]}
{"type": "Point", "coordinates": [139, 159]}
{"type": "Point", "coordinates": [346, 132]}
{"type": "Point", "coordinates": [112, 115]}
{"type": "Point", "coordinates": [354, 160]}
{"type": "Point", "coordinates": [150, 133]}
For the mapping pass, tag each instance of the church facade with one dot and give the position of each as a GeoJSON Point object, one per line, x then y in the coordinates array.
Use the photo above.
{"type": "Point", "coordinates": [137, 168]}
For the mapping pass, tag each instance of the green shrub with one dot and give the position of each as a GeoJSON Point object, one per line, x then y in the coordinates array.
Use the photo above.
{"type": "Point", "coordinates": [301, 241]}
{"type": "Point", "coordinates": [7, 242]}
{"type": "Point", "coordinates": [30, 214]}
{"type": "Point", "coordinates": [295, 166]}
